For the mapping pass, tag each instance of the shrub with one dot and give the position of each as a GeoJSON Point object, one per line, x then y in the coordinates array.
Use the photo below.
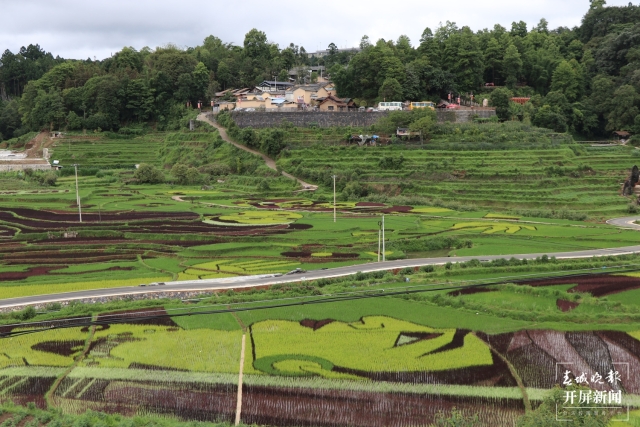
{"type": "Point", "coordinates": [148, 174]}
{"type": "Point", "coordinates": [26, 314]}
{"type": "Point", "coordinates": [179, 172]}
{"type": "Point", "coordinates": [248, 137]}
{"type": "Point", "coordinates": [102, 173]}
{"type": "Point", "coordinates": [193, 176]}
{"type": "Point", "coordinates": [49, 179]}
{"type": "Point", "coordinates": [422, 245]}
{"type": "Point", "coordinates": [272, 141]}
{"type": "Point", "coordinates": [263, 185]}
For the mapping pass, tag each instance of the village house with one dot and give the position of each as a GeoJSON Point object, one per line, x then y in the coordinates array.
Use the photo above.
{"type": "Point", "coordinates": [273, 86]}
{"type": "Point", "coordinates": [332, 103]}
{"type": "Point", "coordinates": [622, 135]}
{"type": "Point", "coordinates": [305, 94]}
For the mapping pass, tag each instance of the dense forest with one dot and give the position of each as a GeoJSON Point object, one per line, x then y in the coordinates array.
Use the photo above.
{"type": "Point", "coordinates": [584, 79]}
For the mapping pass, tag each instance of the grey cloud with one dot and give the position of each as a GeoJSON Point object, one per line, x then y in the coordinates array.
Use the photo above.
{"type": "Point", "coordinates": [81, 29]}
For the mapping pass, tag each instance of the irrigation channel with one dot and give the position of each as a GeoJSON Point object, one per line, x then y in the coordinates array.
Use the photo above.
{"type": "Point", "coordinates": [272, 279]}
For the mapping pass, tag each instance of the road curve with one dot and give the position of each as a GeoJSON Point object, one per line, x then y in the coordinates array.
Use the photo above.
{"type": "Point", "coordinates": [626, 222]}
{"type": "Point", "coordinates": [265, 280]}
{"type": "Point", "coordinates": [203, 117]}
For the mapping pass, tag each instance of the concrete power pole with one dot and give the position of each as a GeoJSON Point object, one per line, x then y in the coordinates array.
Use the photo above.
{"type": "Point", "coordinates": [379, 236]}
{"type": "Point", "coordinates": [384, 255]}
{"type": "Point", "coordinates": [334, 198]}
{"type": "Point", "coordinates": [78, 193]}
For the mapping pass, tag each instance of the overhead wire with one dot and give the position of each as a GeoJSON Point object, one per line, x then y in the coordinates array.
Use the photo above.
{"type": "Point", "coordinates": [329, 298]}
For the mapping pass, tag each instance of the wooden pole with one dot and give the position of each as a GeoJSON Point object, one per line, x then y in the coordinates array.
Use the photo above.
{"type": "Point", "coordinates": [239, 402]}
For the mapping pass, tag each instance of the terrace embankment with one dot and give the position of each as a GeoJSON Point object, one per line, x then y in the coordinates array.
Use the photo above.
{"type": "Point", "coordinates": [32, 158]}
{"type": "Point", "coordinates": [326, 119]}
{"type": "Point", "coordinates": [183, 295]}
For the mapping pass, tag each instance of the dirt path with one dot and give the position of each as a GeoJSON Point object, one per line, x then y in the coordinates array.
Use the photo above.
{"type": "Point", "coordinates": [35, 146]}
{"type": "Point", "coordinates": [267, 160]}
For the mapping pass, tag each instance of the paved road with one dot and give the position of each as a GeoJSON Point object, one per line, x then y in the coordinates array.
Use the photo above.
{"type": "Point", "coordinates": [627, 222]}
{"type": "Point", "coordinates": [253, 281]}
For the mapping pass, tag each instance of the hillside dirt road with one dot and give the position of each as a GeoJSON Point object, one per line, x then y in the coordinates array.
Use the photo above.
{"type": "Point", "coordinates": [203, 117]}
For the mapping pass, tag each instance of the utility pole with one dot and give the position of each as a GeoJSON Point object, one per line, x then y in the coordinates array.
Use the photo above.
{"type": "Point", "coordinates": [334, 198]}
{"type": "Point", "coordinates": [384, 255]}
{"type": "Point", "coordinates": [78, 193]}
{"type": "Point", "coordinates": [379, 235]}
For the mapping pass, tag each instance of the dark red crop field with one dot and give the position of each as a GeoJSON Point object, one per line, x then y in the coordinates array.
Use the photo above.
{"type": "Point", "coordinates": [339, 408]}
{"type": "Point", "coordinates": [597, 285]}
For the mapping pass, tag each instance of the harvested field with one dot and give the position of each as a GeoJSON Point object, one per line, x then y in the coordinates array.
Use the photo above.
{"type": "Point", "coordinates": [140, 317]}
{"type": "Point", "coordinates": [597, 285]}
{"type": "Point", "coordinates": [337, 408]}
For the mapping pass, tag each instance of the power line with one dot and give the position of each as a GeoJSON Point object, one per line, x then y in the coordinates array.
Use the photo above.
{"type": "Point", "coordinates": [330, 298]}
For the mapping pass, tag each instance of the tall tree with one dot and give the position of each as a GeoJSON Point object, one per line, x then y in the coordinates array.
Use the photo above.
{"type": "Point", "coordinates": [512, 65]}
{"type": "Point", "coordinates": [391, 90]}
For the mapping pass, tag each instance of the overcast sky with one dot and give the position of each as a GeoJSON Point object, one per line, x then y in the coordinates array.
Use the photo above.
{"type": "Point", "coordinates": [88, 28]}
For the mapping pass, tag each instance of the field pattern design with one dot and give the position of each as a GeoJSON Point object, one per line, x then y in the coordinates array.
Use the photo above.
{"type": "Point", "coordinates": [312, 372]}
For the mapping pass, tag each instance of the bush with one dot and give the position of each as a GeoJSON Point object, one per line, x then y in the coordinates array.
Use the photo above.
{"type": "Point", "coordinates": [427, 268]}
{"type": "Point", "coordinates": [148, 174]}
{"type": "Point", "coordinates": [423, 245]}
{"type": "Point", "coordinates": [26, 314]}
{"type": "Point", "coordinates": [49, 179]}
{"type": "Point", "coordinates": [179, 172]}
{"type": "Point", "coordinates": [354, 190]}
{"type": "Point", "coordinates": [406, 271]}
{"type": "Point", "coordinates": [500, 99]}
{"type": "Point", "coordinates": [193, 176]}
{"type": "Point", "coordinates": [388, 162]}
{"type": "Point", "coordinates": [249, 138]}
{"type": "Point", "coordinates": [102, 173]}
{"type": "Point", "coordinates": [272, 141]}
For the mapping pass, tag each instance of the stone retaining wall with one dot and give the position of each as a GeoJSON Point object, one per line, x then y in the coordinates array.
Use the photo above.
{"type": "Point", "coordinates": [323, 119]}
{"type": "Point", "coordinates": [8, 167]}
{"type": "Point", "coordinates": [260, 119]}
{"type": "Point", "coordinates": [184, 295]}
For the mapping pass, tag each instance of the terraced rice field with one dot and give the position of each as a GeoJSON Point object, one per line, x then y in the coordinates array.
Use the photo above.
{"type": "Point", "coordinates": [583, 179]}
{"type": "Point", "coordinates": [312, 372]}
{"type": "Point", "coordinates": [104, 153]}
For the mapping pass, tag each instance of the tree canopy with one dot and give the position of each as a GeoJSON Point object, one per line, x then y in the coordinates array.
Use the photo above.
{"type": "Point", "coordinates": [586, 79]}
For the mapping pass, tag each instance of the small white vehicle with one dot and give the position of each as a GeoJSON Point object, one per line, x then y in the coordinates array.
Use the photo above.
{"type": "Point", "coordinates": [390, 106]}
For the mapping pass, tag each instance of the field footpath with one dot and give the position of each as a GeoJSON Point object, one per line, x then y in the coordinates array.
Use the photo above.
{"type": "Point", "coordinates": [271, 164]}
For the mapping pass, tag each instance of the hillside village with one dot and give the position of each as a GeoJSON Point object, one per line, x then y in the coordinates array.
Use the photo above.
{"type": "Point", "coordinates": [320, 95]}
